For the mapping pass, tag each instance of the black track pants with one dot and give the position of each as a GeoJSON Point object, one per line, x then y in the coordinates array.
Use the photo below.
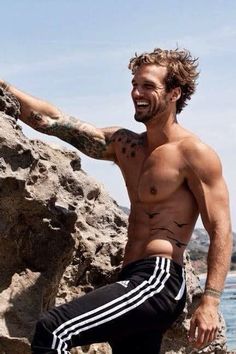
{"type": "Point", "coordinates": [131, 314]}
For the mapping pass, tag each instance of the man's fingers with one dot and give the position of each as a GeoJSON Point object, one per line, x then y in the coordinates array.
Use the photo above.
{"type": "Point", "coordinates": [205, 336]}
{"type": "Point", "coordinates": [203, 327]}
{"type": "Point", "coordinates": [192, 331]}
{"type": "Point", "coordinates": [200, 338]}
{"type": "Point", "coordinates": [213, 334]}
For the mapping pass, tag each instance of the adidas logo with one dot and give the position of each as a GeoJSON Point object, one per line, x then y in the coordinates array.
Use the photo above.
{"type": "Point", "coordinates": [124, 283]}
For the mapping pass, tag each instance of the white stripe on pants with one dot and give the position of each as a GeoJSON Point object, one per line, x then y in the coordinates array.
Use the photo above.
{"type": "Point", "coordinates": [88, 320]}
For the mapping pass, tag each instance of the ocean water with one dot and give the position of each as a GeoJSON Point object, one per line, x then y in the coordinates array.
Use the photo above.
{"type": "Point", "coordinates": [228, 308]}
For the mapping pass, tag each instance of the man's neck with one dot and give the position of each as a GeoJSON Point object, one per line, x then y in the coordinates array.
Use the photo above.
{"type": "Point", "coordinates": [160, 131]}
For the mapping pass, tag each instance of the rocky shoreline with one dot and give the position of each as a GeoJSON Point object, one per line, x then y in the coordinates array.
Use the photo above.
{"type": "Point", "coordinates": [198, 248]}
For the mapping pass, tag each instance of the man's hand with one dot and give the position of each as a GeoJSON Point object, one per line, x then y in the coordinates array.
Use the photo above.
{"type": "Point", "coordinates": [204, 323]}
{"type": "Point", "coordinates": [3, 84]}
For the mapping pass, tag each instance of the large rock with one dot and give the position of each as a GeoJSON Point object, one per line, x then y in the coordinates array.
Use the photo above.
{"type": "Point", "coordinates": [61, 235]}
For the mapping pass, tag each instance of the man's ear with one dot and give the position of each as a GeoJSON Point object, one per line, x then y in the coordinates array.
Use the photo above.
{"type": "Point", "coordinates": [175, 94]}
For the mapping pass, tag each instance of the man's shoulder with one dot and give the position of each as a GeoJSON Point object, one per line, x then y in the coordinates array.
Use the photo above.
{"type": "Point", "coordinates": [199, 157]}
{"type": "Point", "coordinates": [126, 135]}
{"type": "Point", "coordinates": [190, 145]}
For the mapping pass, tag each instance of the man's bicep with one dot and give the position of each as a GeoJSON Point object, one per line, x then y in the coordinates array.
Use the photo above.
{"type": "Point", "coordinates": [215, 208]}
{"type": "Point", "coordinates": [96, 142]}
{"type": "Point", "coordinates": [90, 140]}
{"type": "Point", "coordinates": [211, 194]}
{"type": "Point", "coordinates": [205, 179]}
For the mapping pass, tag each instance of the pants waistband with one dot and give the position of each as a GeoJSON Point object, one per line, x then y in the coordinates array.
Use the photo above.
{"type": "Point", "coordinates": [150, 262]}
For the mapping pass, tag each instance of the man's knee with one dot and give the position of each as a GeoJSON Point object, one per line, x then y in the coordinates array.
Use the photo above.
{"type": "Point", "coordinates": [44, 328]}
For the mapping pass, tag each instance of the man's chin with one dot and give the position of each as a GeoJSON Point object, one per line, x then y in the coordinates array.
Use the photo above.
{"type": "Point", "coordinates": [141, 118]}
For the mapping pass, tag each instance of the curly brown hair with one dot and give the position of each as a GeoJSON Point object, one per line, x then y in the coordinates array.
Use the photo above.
{"type": "Point", "coordinates": [181, 70]}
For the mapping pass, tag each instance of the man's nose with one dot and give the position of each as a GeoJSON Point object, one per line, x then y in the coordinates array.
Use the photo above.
{"type": "Point", "coordinates": [137, 91]}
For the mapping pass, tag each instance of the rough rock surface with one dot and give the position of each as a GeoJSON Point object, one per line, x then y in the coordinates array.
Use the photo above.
{"type": "Point", "coordinates": [61, 235]}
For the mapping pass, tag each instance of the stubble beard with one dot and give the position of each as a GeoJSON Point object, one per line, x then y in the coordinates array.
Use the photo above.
{"type": "Point", "coordinates": [155, 112]}
{"type": "Point", "coordinates": [141, 118]}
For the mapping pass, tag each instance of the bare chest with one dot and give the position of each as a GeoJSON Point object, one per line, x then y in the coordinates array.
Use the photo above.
{"type": "Point", "coordinates": [154, 177]}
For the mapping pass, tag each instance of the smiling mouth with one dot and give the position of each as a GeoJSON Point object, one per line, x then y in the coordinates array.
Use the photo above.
{"type": "Point", "coordinates": [141, 105]}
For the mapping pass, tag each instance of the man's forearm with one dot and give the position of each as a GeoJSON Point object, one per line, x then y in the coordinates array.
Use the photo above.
{"type": "Point", "coordinates": [48, 119]}
{"type": "Point", "coordinates": [218, 262]}
{"type": "Point", "coordinates": [33, 109]}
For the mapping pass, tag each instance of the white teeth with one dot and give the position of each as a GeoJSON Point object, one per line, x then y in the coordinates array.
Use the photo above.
{"type": "Point", "coordinates": [142, 103]}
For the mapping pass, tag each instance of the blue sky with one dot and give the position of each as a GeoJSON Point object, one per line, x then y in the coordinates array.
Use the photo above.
{"type": "Point", "coordinates": [75, 55]}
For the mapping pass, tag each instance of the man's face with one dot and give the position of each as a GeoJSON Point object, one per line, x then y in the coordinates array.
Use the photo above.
{"type": "Point", "coordinates": [148, 93]}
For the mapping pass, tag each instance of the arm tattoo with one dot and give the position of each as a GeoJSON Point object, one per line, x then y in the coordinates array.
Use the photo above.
{"type": "Point", "coordinates": [128, 142]}
{"type": "Point", "coordinates": [128, 137]}
{"type": "Point", "coordinates": [84, 140]}
{"type": "Point", "coordinates": [83, 136]}
{"type": "Point", "coordinates": [36, 116]}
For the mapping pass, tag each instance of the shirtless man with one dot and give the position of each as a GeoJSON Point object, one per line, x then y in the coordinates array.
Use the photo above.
{"type": "Point", "coordinates": [171, 177]}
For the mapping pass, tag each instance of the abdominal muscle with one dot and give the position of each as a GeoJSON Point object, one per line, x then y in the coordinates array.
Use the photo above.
{"type": "Point", "coordinates": [161, 233]}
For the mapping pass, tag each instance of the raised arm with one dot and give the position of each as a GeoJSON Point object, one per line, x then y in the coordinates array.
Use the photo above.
{"type": "Point", "coordinates": [205, 180]}
{"type": "Point", "coordinates": [48, 119]}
